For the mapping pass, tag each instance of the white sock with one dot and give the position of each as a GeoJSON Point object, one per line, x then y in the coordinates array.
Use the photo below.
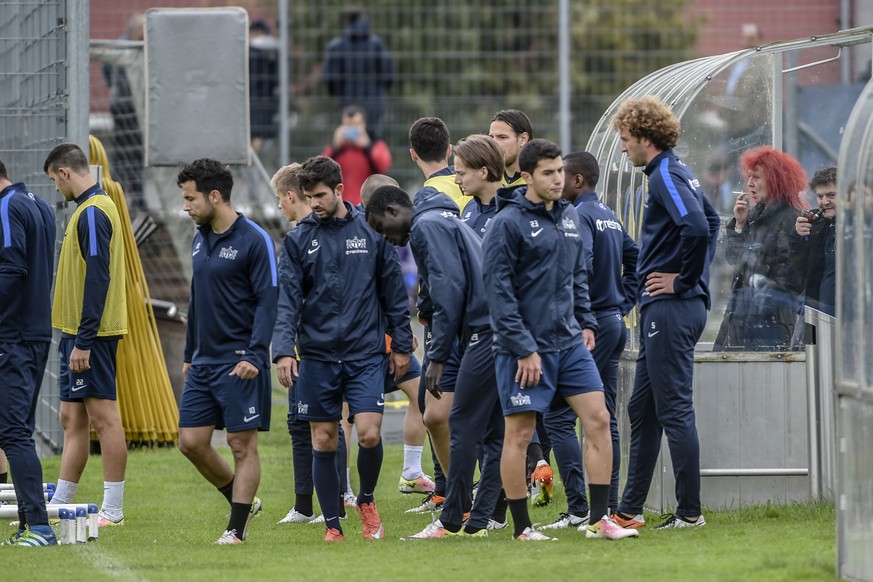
{"type": "Point", "coordinates": [113, 500]}
{"type": "Point", "coordinates": [349, 480]}
{"type": "Point", "coordinates": [64, 492]}
{"type": "Point", "coordinates": [412, 462]}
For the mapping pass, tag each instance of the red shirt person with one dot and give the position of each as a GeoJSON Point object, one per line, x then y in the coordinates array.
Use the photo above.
{"type": "Point", "coordinates": [358, 155]}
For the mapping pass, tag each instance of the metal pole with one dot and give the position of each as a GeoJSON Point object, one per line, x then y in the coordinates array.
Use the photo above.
{"type": "Point", "coordinates": [284, 76]}
{"type": "Point", "coordinates": [564, 118]}
{"type": "Point", "coordinates": [845, 62]}
{"type": "Point", "coordinates": [77, 30]}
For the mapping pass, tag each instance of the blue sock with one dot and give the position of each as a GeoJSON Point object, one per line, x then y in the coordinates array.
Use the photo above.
{"type": "Point", "coordinates": [327, 486]}
{"type": "Point", "coordinates": [369, 466]}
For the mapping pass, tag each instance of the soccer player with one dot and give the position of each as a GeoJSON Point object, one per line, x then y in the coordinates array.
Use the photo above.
{"type": "Point", "coordinates": [474, 156]}
{"type": "Point", "coordinates": [543, 326]}
{"type": "Point", "coordinates": [610, 257]}
{"type": "Point", "coordinates": [449, 258]}
{"type": "Point", "coordinates": [295, 207]}
{"type": "Point", "coordinates": [90, 310]}
{"type": "Point", "coordinates": [677, 244]}
{"type": "Point", "coordinates": [343, 289]}
{"type": "Point", "coordinates": [430, 147]}
{"type": "Point", "coordinates": [511, 128]}
{"type": "Point", "coordinates": [412, 477]}
{"type": "Point", "coordinates": [27, 242]}
{"type": "Point", "coordinates": [227, 359]}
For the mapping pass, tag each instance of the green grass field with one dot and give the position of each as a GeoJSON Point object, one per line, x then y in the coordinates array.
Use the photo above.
{"type": "Point", "coordinates": [173, 517]}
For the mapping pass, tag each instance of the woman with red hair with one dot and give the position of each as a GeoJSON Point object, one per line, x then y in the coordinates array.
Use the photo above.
{"type": "Point", "coordinates": [766, 291]}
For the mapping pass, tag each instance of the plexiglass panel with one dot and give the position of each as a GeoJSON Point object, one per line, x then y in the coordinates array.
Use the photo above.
{"type": "Point", "coordinates": [787, 95]}
{"type": "Point", "coordinates": [854, 250]}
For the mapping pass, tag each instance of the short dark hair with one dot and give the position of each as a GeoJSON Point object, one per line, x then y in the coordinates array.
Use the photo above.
{"type": "Point", "coordinates": [823, 177]}
{"type": "Point", "coordinates": [319, 169]}
{"type": "Point", "coordinates": [534, 151]}
{"type": "Point", "coordinates": [207, 174]}
{"type": "Point", "coordinates": [429, 138]}
{"type": "Point", "coordinates": [352, 110]}
{"type": "Point", "coordinates": [383, 197]}
{"type": "Point", "coordinates": [3, 173]}
{"type": "Point", "coordinates": [66, 155]}
{"type": "Point", "coordinates": [516, 120]}
{"type": "Point", "coordinates": [584, 164]}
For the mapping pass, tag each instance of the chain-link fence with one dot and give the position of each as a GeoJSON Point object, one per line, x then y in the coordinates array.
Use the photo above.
{"type": "Point", "coordinates": [41, 105]}
{"type": "Point", "coordinates": [459, 60]}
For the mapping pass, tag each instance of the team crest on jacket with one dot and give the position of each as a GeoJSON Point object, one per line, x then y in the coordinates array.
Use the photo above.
{"type": "Point", "coordinates": [568, 223]}
{"type": "Point", "coordinates": [356, 246]}
{"type": "Point", "coordinates": [228, 253]}
{"type": "Point", "coordinates": [449, 214]}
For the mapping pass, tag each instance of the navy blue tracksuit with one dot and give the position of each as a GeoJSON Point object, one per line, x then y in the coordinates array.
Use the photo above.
{"type": "Point", "coordinates": [27, 239]}
{"type": "Point", "coordinates": [610, 256]}
{"type": "Point", "coordinates": [449, 258]}
{"type": "Point", "coordinates": [678, 235]}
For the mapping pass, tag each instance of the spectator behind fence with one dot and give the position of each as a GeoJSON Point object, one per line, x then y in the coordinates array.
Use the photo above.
{"type": "Point", "coordinates": [358, 69]}
{"type": "Point", "coordinates": [765, 299]}
{"type": "Point", "coordinates": [126, 151]}
{"type": "Point", "coordinates": [359, 154]}
{"type": "Point", "coordinates": [813, 243]}
{"type": "Point", "coordinates": [263, 83]}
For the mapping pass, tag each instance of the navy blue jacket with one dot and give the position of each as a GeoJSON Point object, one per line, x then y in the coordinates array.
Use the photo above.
{"type": "Point", "coordinates": [477, 215]}
{"type": "Point", "coordinates": [95, 251]}
{"type": "Point", "coordinates": [358, 69]}
{"type": "Point", "coordinates": [424, 305]}
{"type": "Point", "coordinates": [341, 285]}
{"type": "Point", "coordinates": [27, 247]}
{"type": "Point", "coordinates": [535, 279]}
{"type": "Point", "coordinates": [610, 257]}
{"type": "Point", "coordinates": [449, 259]}
{"type": "Point", "coordinates": [679, 230]}
{"type": "Point", "coordinates": [234, 290]}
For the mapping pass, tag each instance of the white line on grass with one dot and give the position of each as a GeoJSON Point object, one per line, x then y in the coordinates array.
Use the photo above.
{"type": "Point", "coordinates": [106, 562]}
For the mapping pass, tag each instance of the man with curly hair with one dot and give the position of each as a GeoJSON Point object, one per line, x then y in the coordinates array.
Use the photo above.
{"type": "Point", "coordinates": [677, 243]}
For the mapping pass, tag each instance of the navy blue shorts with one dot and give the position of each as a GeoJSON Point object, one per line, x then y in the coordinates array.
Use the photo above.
{"type": "Point", "coordinates": [98, 381]}
{"type": "Point", "coordinates": [565, 373]}
{"type": "Point", "coordinates": [322, 387]}
{"type": "Point", "coordinates": [212, 397]}
{"type": "Point", "coordinates": [412, 372]}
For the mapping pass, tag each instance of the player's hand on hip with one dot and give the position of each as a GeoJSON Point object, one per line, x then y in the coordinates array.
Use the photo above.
{"type": "Point", "coordinates": [660, 283]}
{"type": "Point", "coordinates": [245, 370]}
{"type": "Point", "coordinates": [185, 367]}
{"type": "Point", "coordinates": [286, 370]}
{"type": "Point", "coordinates": [530, 368]}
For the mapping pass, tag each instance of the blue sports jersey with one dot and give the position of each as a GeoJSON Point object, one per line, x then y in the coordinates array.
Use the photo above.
{"type": "Point", "coordinates": [610, 256]}
{"type": "Point", "coordinates": [27, 240]}
{"type": "Point", "coordinates": [234, 291]}
{"type": "Point", "coordinates": [535, 276]}
{"type": "Point", "coordinates": [679, 229]}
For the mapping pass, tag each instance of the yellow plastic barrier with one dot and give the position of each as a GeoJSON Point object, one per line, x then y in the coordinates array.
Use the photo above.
{"type": "Point", "coordinates": [145, 396]}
